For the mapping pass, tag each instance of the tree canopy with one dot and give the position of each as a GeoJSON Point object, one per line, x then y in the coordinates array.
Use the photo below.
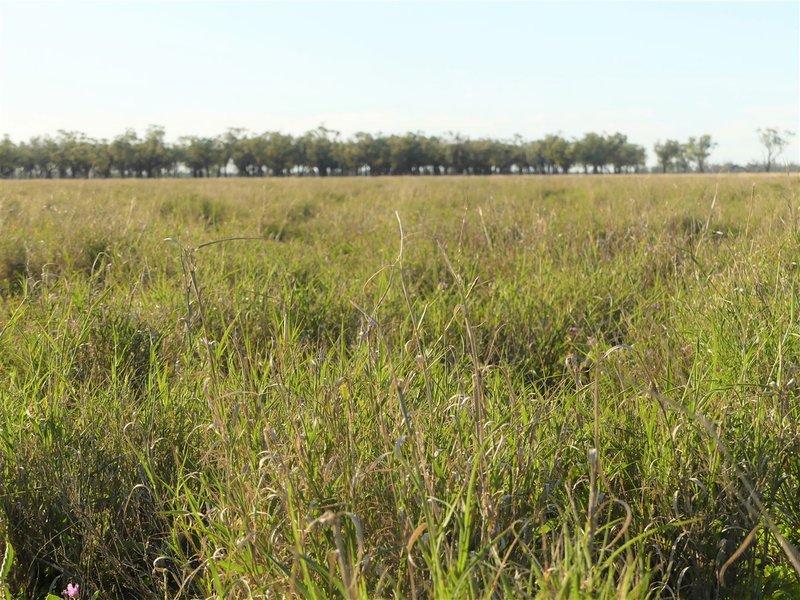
{"type": "Point", "coordinates": [324, 152]}
{"type": "Point", "coordinates": [774, 141]}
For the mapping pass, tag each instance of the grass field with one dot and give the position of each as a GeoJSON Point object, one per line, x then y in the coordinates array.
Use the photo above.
{"type": "Point", "coordinates": [403, 387]}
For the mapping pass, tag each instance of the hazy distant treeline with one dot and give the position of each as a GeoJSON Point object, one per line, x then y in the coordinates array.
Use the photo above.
{"type": "Point", "coordinates": [324, 152]}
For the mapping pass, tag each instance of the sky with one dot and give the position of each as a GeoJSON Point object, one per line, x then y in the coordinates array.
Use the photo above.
{"type": "Point", "coordinates": [651, 70]}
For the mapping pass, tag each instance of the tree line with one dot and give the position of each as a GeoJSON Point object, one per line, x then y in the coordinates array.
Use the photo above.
{"type": "Point", "coordinates": [324, 152]}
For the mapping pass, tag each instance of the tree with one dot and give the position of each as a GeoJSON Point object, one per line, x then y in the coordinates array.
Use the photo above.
{"type": "Point", "coordinates": [323, 151]}
{"type": "Point", "coordinates": [152, 154]}
{"type": "Point", "coordinates": [100, 158]}
{"type": "Point", "coordinates": [123, 152]}
{"type": "Point", "coordinates": [592, 150]}
{"type": "Point", "coordinates": [558, 152]}
{"type": "Point", "coordinates": [699, 149]}
{"type": "Point", "coordinates": [667, 153]}
{"type": "Point", "coordinates": [239, 147]}
{"type": "Point", "coordinates": [479, 154]}
{"type": "Point", "coordinates": [39, 157]}
{"type": "Point", "coordinates": [74, 154]}
{"type": "Point", "coordinates": [500, 156]}
{"type": "Point", "coordinates": [457, 153]}
{"type": "Point", "coordinates": [615, 150]}
{"type": "Point", "coordinates": [370, 154]}
{"type": "Point", "coordinates": [9, 157]}
{"type": "Point", "coordinates": [774, 142]}
{"type": "Point", "coordinates": [534, 156]}
{"type": "Point", "coordinates": [319, 147]}
{"type": "Point", "coordinates": [201, 155]}
{"type": "Point", "coordinates": [635, 156]}
{"type": "Point", "coordinates": [405, 153]}
{"type": "Point", "coordinates": [433, 152]}
{"type": "Point", "coordinates": [26, 160]}
{"type": "Point", "coordinates": [623, 155]}
{"type": "Point", "coordinates": [517, 154]}
{"type": "Point", "coordinates": [279, 153]}
{"type": "Point", "coordinates": [682, 159]}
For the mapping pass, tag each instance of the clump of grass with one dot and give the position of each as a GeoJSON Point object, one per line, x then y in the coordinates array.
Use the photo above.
{"type": "Point", "coordinates": [14, 266]}
{"type": "Point", "coordinates": [290, 225]}
{"type": "Point", "coordinates": [95, 253]}
{"type": "Point", "coordinates": [210, 212]}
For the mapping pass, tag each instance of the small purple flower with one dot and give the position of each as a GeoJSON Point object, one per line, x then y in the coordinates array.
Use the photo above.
{"type": "Point", "coordinates": [72, 591]}
{"type": "Point", "coordinates": [573, 330]}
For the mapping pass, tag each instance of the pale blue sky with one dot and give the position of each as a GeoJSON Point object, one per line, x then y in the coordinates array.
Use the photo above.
{"type": "Point", "coordinates": [652, 70]}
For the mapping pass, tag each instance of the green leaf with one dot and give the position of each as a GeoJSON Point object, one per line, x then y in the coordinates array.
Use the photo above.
{"type": "Point", "coordinates": [8, 559]}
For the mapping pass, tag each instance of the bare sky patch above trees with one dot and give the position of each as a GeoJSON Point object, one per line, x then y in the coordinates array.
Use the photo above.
{"type": "Point", "coordinates": [654, 70]}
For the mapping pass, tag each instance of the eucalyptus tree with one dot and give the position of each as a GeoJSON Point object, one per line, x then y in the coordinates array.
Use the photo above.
{"type": "Point", "coordinates": [74, 154]}
{"type": "Point", "coordinates": [479, 156]}
{"type": "Point", "coordinates": [319, 149]}
{"type": "Point", "coordinates": [518, 155]}
{"type": "Point", "coordinates": [203, 156]}
{"type": "Point", "coordinates": [682, 162]}
{"type": "Point", "coordinates": [500, 156]}
{"type": "Point", "coordinates": [616, 145]}
{"type": "Point", "coordinates": [9, 157]}
{"type": "Point", "coordinates": [358, 154]}
{"type": "Point", "coordinates": [240, 147]}
{"type": "Point", "coordinates": [370, 154]}
{"type": "Point", "coordinates": [456, 154]}
{"type": "Point", "coordinates": [405, 154]}
{"type": "Point", "coordinates": [257, 148]}
{"type": "Point", "coordinates": [152, 155]}
{"type": "Point", "coordinates": [635, 157]}
{"type": "Point", "coordinates": [25, 160]}
{"type": "Point", "coordinates": [592, 151]}
{"type": "Point", "coordinates": [699, 149]}
{"type": "Point", "coordinates": [279, 153]}
{"type": "Point", "coordinates": [99, 158]}
{"type": "Point", "coordinates": [774, 143]}
{"type": "Point", "coordinates": [40, 155]}
{"type": "Point", "coordinates": [623, 155]}
{"type": "Point", "coordinates": [433, 151]}
{"type": "Point", "coordinates": [667, 153]}
{"type": "Point", "coordinates": [559, 153]}
{"type": "Point", "coordinates": [535, 156]}
{"type": "Point", "coordinates": [123, 152]}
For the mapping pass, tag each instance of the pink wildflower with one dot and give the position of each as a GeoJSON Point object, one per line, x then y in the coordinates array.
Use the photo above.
{"type": "Point", "coordinates": [72, 591]}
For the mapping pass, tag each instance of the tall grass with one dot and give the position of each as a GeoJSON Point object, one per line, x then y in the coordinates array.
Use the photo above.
{"type": "Point", "coordinates": [444, 387]}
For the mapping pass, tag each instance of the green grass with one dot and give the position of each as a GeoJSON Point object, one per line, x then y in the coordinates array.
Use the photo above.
{"type": "Point", "coordinates": [556, 387]}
